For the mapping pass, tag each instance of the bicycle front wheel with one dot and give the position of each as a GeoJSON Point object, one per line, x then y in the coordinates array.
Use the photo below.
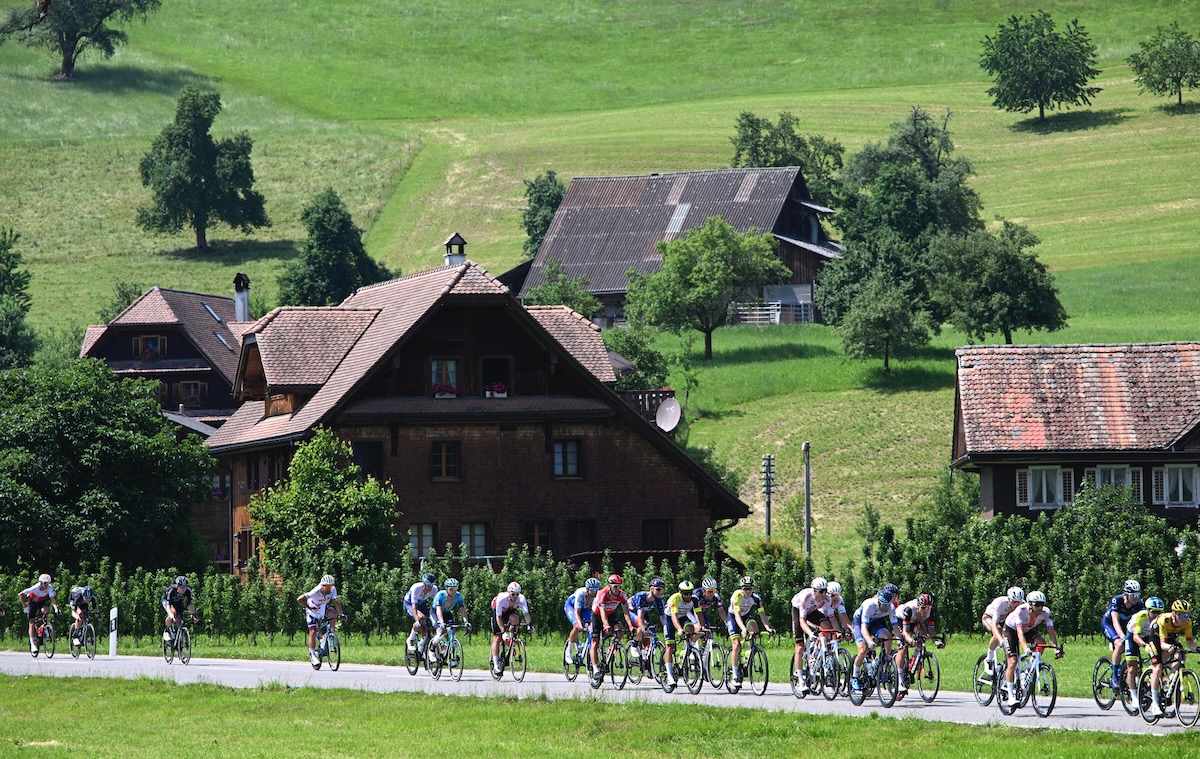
{"type": "Point", "coordinates": [570, 663]}
{"type": "Point", "coordinates": [335, 651]}
{"type": "Point", "coordinates": [411, 662]}
{"type": "Point", "coordinates": [633, 654]}
{"type": "Point", "coordinates": [169, 650]}
{"type": "Point", "coordinates": [518, 660]}
{"type": "Point", "coordinates": [455, 655]}
{"type": "Point", "coordinates": [89, 640]}
{"type": "Point", "coordinates": [888, 682]}
{"type": "Point", "coordinates": [983, 684]}
{"type": "Point", "coordinates": [185, 645]}
{"type": "Point", "coordinates": [715, 666]}
{"type": "Point", "coordinates": [693, 671]}
{"type": "Point", "coordinates": [929, 677]}
{"type": "Point", "coordinates": [433, 662]}
{"type": "Point", "coordinates": [74, 642]}
{"type": "Point", "coordinates": [49, 641]}
{"type": "Point", "coordinates": [1187, 698]}
{"type": "Point", "coordinates": [1102, 689]}
{"type": "Point", "coordinates": [1145, 697]}
{"type": "Point", "coordinates": [618, 666]}
{"type": "Point", "coordinates": [758, 671]}
{"type": "Point", "coordinates": [1044, 691]}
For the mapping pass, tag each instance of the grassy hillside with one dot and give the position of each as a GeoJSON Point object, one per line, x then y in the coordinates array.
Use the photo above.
{"type": "Point", "coordinates": [426, 117]}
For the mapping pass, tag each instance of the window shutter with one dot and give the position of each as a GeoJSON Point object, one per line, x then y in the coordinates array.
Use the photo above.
{"type": "Point", "coordinates": [1068, 486]}
{"type": "Point", "coordinates": [1160, 486]}
{"type": "Point", "coordinates": [1022, 487]}
{"type": "Point", "coordinates": [1090, 474]}
{"type": "Point", "coordinates": [1135, 483]}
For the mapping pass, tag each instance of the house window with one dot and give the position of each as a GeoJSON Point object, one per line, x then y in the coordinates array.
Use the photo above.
{"type": "Point", "coordinates": [1181, 485]}
{"type": "Point", "coordinates": [368, 456]}
{"type": "Point", "coordinates": [149, 347]}
{"type": "Point", "coordinates": [445, 460]}
{"type": "Point", "coordinates": [474, 537]}
{"type": "Point", "coordinates": [1112, 475]}
{"type": "Point", "coordinates": [656, 533]}
{"type": "Point", "coordinates": [496, 371]}
{"type": "Point", "coordinates": [420, 537]}
{"type": "Point", "coordinates": [443, 377]}
{"type": "Point", "coordinates": [1127, 476]}
{"type": "Point", "coordinates": [1045, 487]}
{"type": "Point", "coordinates": [193, 394]}
{"type": "Point", "coordinates": [567, 458]}
{"type": "Point", "coordinates": [252, 472]}
{"type": "Point", "coordinates": [581, 536]}
{"type": "Point", "coordinates": [537, 534]}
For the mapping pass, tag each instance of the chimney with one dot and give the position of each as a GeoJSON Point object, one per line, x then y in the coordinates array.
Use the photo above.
{"type": "Point", "coordinates": [241, 297]}
{"type": "Point", "coordinates": [454, 250]}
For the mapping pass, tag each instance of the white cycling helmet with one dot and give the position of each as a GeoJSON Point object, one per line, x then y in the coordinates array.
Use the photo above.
{"type": "Point", "coordinates": [835, 588]}
{"type": "Point", "coordinates": [1037, 597]}
{"type": "Point", "coordinates": [710, 583]}
{"type": "Point", "coordinates": [1016, 594]}
{"type": "Point", "coordinates": [820, 583]}
{"type": "Point", "coordinates": [43, 578]}
{"type": "Point", "coordinates": [514, 587]}
{"type": "Point", "coordinates": [1133, 587]}
{"type": "Point", "coordinates": [327, 579]}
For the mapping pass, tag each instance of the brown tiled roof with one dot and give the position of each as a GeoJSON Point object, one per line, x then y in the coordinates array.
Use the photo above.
{"type": "Point", "coordinates": [93, 333]}
{"type": "Point", "coordinates": [577, 334]}
{"type": "Point", "coordinates": [1025, 399]}
{"type": "Point", "coordinates": [301, 345]}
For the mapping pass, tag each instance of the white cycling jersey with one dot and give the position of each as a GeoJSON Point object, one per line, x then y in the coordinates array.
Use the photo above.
{"type": "Point", "coordinates": [417, 593]}
{"type": "Point", "coordinates": [37, 594]}
{"type": "Point", "coordinates": [316, 600]}
{"type": "Point", "coordinates": [806, 601]}
{"type": "Point", "coordinates": [872, 609]}
{"type": "Point", "coordinates": [1023, 616]}
{"type": "Point", "coordinates": [830, 609]}
{"type": "Point", "coordinates": [503, 604]}
{"type": "Point", "coordinates": [1000, 608]}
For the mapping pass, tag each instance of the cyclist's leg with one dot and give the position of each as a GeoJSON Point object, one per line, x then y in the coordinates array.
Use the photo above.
{"type": "Point", "coordinates": [1012, 645]}
{"type": "Point", "coordinates": [1115, 645]}
{"type": "Point", "coordinates": [1132, 656]}
{"type": "Point", "coordinates": [496, 633]}
{"type": "Point", "coordinates": [669, 643]}
{"type": "Point", "coordinates": [798, 636]}
{"type": "Point", "coordinates": [597, 632]}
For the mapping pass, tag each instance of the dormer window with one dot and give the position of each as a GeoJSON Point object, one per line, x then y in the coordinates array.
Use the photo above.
{"type": "Point", "coordinates": [149, 347]}
{"type": "Point", "coordinates": [444, 376]}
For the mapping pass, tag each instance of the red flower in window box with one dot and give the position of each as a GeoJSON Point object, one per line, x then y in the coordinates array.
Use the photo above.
{"type": "Point", "coordinates": [445, 391]}
{"type": "Point", "coordinates": [499, 387]}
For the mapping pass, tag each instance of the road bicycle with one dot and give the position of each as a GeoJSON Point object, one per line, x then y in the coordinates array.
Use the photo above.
{"type": "Point", "coordinates": [43, 634]}
{"type": "Point", "coordinates": [877, 673]}
{"type": "Point", "coordinates": [447, 653]}
{"type": "Point", "coordinates": [1178, 693]}
{"type": "Point", "coordinates": [827, 665]}
{"type": "Point", "coordinates": [512, 655]}
{"type": "Point", "coordinates": [645, 660]}
{"type": "Point", "coordinates": [329, 648]}
{"type": "Point", "coordinates": [83, 639]}
{"type": "Point", "coordinates": [614, 660]}
{"type": "Point", "coordinates": [753, 666]}
{"type": "Point", "coordinates": [686, 662]}
{"type": "Point", "coordinates": [578, 657]}
{"type": "Point", "coordinates": [985, 685]}
{"type": "Point", "coordinates": [177, 640]}
{"type": "Point", "coordinates": [713, 660]}
{"type": "Point", "coordinates": [1035, 681]}
{"type": "Point", "coordinates": [414, 656]}
{"type": "Point", "coordinates": [1102, 690]}
{"type": "Point", "coordinates": [924, 671]}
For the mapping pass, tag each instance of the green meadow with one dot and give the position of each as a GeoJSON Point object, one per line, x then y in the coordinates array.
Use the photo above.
{"type": "Point", "coordinates": [427, 117]}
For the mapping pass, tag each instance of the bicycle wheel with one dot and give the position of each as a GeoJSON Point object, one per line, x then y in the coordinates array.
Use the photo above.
{"type": "Point", "coordinates": [827, 678]}
{"type": "Point", "coordinates": [633, 655]}
{"type": "Point", "coordinates": [667, 681]}
{"type": "Point", "coordinates": [454, 653]}
{"type": "Point", "coordinates": [433, 662]}
{"type": "Point", "coordinates": [1127, 697]}
{"type": "Point", "coordinates": [518, 660]}
{"type": "Point", "coordinates": [411, 662]}
{"type": "Point", "coordinates": [887, 681]}
{"type": "Point", "coordinates": [693, 671]}
{"type": "Point", "coordinates": [758, 671]}
{"type": "Point", "coordinates": [1044, 691]}
{"type": "Point", "coordinates": [1187, 698]}
{"type": "Point", "coordinates": [89, 640]}
{"type": "Point", "coordinates": [74, 644]}
{"type": "Point", "coordinates": [983, 684]}
{"type": "Point", "coordinates": [185, 645]}
{"type": "Point", "coordinates": [1145, 698]}
{"type": "Point", "coordinates": [570, 663]}
{"type": "Point", "coordinates": [335, 651]}
{"type": "Point", "coordinates": [857, 697]}
{"type": "Point", "coordinates": [618, 667]}
{"type": "Point", "coordinates": [48, 641]}
{"type": "Point", "coordinates": [169, 649]}
{"type": "Point", "coordinates": [929, 677]}
{"type": "Point", "coordinates": [845, 666]}
{"type": "Point", "coordinates": [794, 680]}
{"type": "Point", "coordinates": [1102, 689]}
{"type": "Point", "coordinates": [714, 670]}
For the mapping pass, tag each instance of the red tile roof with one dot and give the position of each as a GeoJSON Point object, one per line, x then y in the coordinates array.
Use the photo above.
{"type": "Point", "coordinates": [577, 334]}
{"type": "Point", "coordinates": [1025, 399]}
{"type": "Point", "coordinates": [301, 346]}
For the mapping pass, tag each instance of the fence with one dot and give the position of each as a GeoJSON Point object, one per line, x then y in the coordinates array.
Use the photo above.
{"type": "Point", "coordinates": [775, 313]}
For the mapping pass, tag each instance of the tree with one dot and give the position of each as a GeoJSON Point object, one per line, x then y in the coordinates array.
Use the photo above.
{"type": "Point", "coordinates": [1168, 62]}
{"type": "Point", "coordinates": [325, 513]}
{"type": "Point", "coordinates": [557, 290]}
{"type": "Point", "coordinates": [883, 322]}
{"type": "Point", "coordinates": [702, 275]}
{"type": "Point", "coordinates": [1034, 66]}
{"type": "Point", "coordinates": [125, 292]}
{"type": "Point", "coordinates": [988, 284]}
{"type": "Point", "coordinates": [18, 342]}
{"type": "Point", "coordinates": [759, 143]}
{"type": "Point", "coordinates": [886, 254]}
{"type": "Point", "coordinates": [196, 180]}
{"type": "Point", "coordinates": [334, 262]}
{"type": "Point", "coordinates": [74, 26]}
{"type": "Point", "coordinates": [636, 344]}
{"type": "Point", "coordinates": [543, 196]}
{"type": "Point", "coordinates": [89, 468]}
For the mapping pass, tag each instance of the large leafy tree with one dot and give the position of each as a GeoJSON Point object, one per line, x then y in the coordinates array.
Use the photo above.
{"type": "Point", "coordinates": [702, 275]}
{"type": "Point", "coordinates": [18, 342]}
{"type": "Point", "coordinates": [1033, 65]}
{"type": "Point", "coordinates": [543, 195]}
{"type": "Point", "coordinates": [557, 290]}
{"type": "Point", "coordinates": [89, 468]}
{"type": "Point", "coordinates": [988, 284]}
{"type": "Point", "coordinates": [325, 514]}
{"type": "Point", "coordinates": [198, 181]}
{"type": "Point", "coordinates": [71, 27]}
{"type": "Point", "coordinates": [1167, 63]}
{"type": "Point", "coordinates": [636, 343]}
{"type": "Point", "coordinates": [883, 323]}
{"type": "Point", "coordinates": [757, 142]}
{"type": "Point", "coordinates": [334, 262]}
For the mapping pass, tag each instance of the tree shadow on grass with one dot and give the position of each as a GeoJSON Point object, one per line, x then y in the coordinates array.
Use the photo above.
{"type": "Point", "coordinates": [236, 252]}
{"type": "Point", "coordinates": [715, 415]}
{"type": "Point", "coordinates": [767, 353]}
{"type": "Point", "coordinates": [907, 378]}
{"type": "Point", "coordinates": [1074, 121]}
{"type": "Point", "coordinates": [122, 78]}
{"type": "Point", "coordinates": [1173, 109]}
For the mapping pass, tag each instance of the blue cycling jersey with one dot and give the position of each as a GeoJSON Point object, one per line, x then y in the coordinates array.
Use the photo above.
{"type": "Point", "coordinates": [645, 602]}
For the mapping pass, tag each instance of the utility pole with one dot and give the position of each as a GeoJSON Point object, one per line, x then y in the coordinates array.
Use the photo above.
{"type": "Point", "coordinates": [807, 502]}
{"type": "Point", "coordinates": [768, 481]}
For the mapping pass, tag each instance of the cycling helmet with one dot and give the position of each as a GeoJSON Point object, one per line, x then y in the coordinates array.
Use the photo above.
{"type": "Point", "coordinates": [451, 583]}
{"type": "Point", "coordinates": [1133, 587]}
{"type": "Point", "coordinates": [746, 582]}
{"type": "Point", "coordinates": [327, 579]}
{"type": "Point", "coordinates": [657, 582]}
{"type": "Point", "coordinates": [181, 581]}
{"type": "Point", "coordinates": [1154, 603]}
{"type": "Point", "coordinates": [1181, 606]}
{"type": "Point", "coordinates": [1037, 597]}
{"type": "Point", "coordinates": [429, 578]}
{"type": "Point", "coordinates": [88, 595]}
{"type": "Point", "coordinates": [820, 583]}
{"type": "Point", "coordinates": [835, 588]}
{"type": "Point", "coordinates": [893, 588]}
{"type": "Point", "coordinates": [593, 584]}
{"type": "Point", "coordinates": [924, 600]}
{"type": "Point", "coordinates": [614, 579]}
{"type": "Point", "coordinates": [514, 588]}
{"type": "Point", "coordinates": [885, 596]}
{"type": "Point", "coordinates": [710, 583]}
{"type": "Point", "coordinates": [686, 586]}
{"type": "Point", "coordinates": [1016, 594]}
{"type": "Point", "coordinates": [43, 578]}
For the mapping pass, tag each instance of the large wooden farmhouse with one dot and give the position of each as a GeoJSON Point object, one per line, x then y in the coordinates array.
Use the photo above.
{"type": "Point", "coordinates": [606, 226]}
{"type": "Point", "coordinates": [494, 423]}
{"type": "Point", "coordinates": [1036, 421]}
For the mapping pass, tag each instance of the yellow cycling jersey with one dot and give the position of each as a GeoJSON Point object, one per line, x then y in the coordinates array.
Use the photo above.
{"type": "Point", "coordinates": [680, 605]}
{"type": "Point", "coordinates": [1168, 629]}
{"type": "Point", "coordinates": [1139, 624]}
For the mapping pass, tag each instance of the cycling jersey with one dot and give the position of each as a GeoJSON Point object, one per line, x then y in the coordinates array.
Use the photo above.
{"type": "Point", "coordinates": [317, 599]}
{"type": "Point", "coordinates": [1168, 629]}
{"type": "Point", "coordinates": [1124, 612]}
{"type": "Point", "coordinates": [448, 604]}
{"type": "Point", "coordinates": [1023, 616]}
{"type": "Point", "coordinates": [682, 605]}
{"type": "Point", "coordinates": [608, 599]}
{"type": "Point", "coordinates": [832, 609]}
{"type": "Point", "coordinates": [1139, 624]}
{"type": "Point", "coordinates": [909, 614]}
{"type": "Point", "coordinates": [37, 594]}
{"type": "Point", "coordinates": [644, 601]}
{"type": "Point", "coordinates": [78, 601]}
{"type": "Point", "coordinates": [177, 597]}
{"type": "Point", "coordinates": [744, 603]}
{"type": "Point", "coordinates": [704, 602]}
{"type": "Point", "coordinates": [806, 601]}
{"type": "Point", "coordinates": [418, 596]}
{"type": "Point", "coordinates": [1000, 608]}
{"type": "Point", "coordinates": [504, 604]}
{"type": "Point", "coordinates": [872, 609]}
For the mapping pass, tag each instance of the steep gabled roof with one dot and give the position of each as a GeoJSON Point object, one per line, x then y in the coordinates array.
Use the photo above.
{"type": "Point", "coordinates": [607, 225]}
{"type": "Point", "coordinates": [301, 346]}
{"type": "Point", "coordinates": [1029, 399]}
{"type": "Point", "coordinates": [579, 336]}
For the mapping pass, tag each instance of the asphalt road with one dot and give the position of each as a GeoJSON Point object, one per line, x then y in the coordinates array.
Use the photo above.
{"type": "Point", "coordinates": [1069, 713]}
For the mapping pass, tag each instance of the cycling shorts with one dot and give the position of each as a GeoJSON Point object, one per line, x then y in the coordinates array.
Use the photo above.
{"type": "Point", "coordinates": [1110, 632]}
{"type": "Point", "coordinates": [510, 618]}
{"type": "Point", "coordinates": [669, 627]}
{"type": "Point", "coordinates": [422, 606]}
{"type": "Point", "coordinates": [37, 607]}
{"type": "Point", "coordinates": [1132, 649]}
{"type": "Point", "coordinates": [584, 615]}
{"type": "Point", "coordinates": [875, 627]}
{"type": "Point", "coordinates": [814, 618]}
{"type": "Point", "coordinates": [1012, 641]}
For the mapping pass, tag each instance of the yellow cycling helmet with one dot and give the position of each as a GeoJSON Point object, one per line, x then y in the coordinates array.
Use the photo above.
{"type": "Point", "coordinates": [1180, 606]}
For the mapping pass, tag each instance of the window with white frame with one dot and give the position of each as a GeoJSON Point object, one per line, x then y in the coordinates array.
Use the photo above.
{"type": "Point", "coordinates": [1045, 487]}
{"type": "Point", "coordinates": [443, 376]}
{"type": "Point", "coordinates": [1175, 485]}
{"type": "Point", "coordinates": [1117, 474]}
{"type": "Point", "coordinates": [474, 537]}
{"type": "Point", "coordinates": [1112, 475]}
{"type": "Point", "coordinates": [420, 537]}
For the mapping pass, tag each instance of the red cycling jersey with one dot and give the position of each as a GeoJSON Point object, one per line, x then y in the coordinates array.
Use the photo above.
{"type": "Point", "coordinates": [608, 599]}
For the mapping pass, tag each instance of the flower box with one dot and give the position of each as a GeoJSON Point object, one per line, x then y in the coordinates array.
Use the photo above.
{"type": "Point", "coordinates": [495, 394]}
{"type": "Point", "coordinates": [444, 395]}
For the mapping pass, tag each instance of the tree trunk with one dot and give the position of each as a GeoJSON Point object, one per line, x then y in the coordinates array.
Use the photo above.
{"type": "Point", "coordinates": [1041, 111]}
{"type": "Point", "coordinates": [67, 46]}
{"type": "Point", "coordinates": [708, 343]}
{"type": "Point", "coordinates": [201, 238]}
{"type": "Point", "coordinates": [886, 353]}
{"type": "Point", "coordinates": [1007, 336]}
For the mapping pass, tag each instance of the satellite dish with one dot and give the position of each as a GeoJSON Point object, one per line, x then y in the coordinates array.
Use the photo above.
{"type": "Point", "coordinates": [668, 415]}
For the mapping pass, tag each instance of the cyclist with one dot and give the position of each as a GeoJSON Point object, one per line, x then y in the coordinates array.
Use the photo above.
{"type": "Point", "coordinates": [835, 609]}
{"type": "Point", "coordinates": [416, 605]}
{"type": "Point", "coordinates": [448, 607]}
{"type": "Point", "coordinates": [608, 600]}
{"type": "Point", "coordinates": [874, 618]}
{"type": "Point", "coordinates": [1163, 644]}
{"type": "Point", "coordinates": [81, 600]}
{"type": "Point", "coordinates": [174, 598]}
{"type": "Point", "coordinates": [1115, 623]}
{"type": "Point", "coordinates": [578, 608]}
{"type": "Point", "coordinates": [916, 619]}
{"type": "Point", "coordinates": [1138, 636]}
{"type": "Point", "coordinates": [681, 619]}
{"type": "Point", "coordinates": [993, 621]}
{"type": "Point", "coordinates": [648, 609]}
{"type": "Point", "coordinates": [808, 614]}
{"type": "Point", "coordinates": [707, 598]}
{"type": "Point", "coordinates": [316, 604]}
{"type": "Point", "coordinates": [33, 600]}
{"type": "Point", "coordinates": [1019, 623]}
{"type": "Point", "coordinates": [742, 604]}
{"type": "Point", "coordinates": [505, 606]}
